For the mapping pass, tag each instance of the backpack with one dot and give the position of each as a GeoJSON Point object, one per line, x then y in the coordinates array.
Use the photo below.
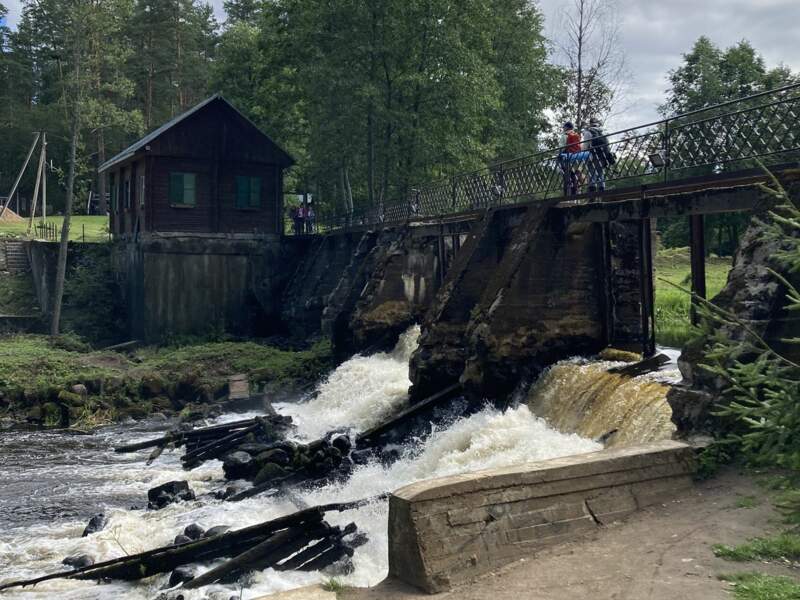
{"type": "Point", "coordinates": [600, 142]}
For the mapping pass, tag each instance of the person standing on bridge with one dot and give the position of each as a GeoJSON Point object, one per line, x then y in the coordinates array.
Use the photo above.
{"type": "Point", "coordinates": [600, 157]}
{"type": "Point", "coordinates": [572, 152]}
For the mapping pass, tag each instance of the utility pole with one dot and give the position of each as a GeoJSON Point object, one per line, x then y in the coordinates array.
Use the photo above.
{"type": "Point", "coordinates": [44, 178]}
{"type": "Point", "coordinates": [39, 171]}
{"type": "Point", "coordinates": [19, 176]}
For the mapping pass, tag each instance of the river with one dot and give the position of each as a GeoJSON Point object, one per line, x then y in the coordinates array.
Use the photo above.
{"type": "Point", "coordinates": [54, 482]}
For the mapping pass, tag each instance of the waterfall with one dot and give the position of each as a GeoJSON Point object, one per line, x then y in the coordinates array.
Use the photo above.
{"type": "Point", "coordinates": [360, 393]}
{"type": "Point", "coordinates": [581, 396]}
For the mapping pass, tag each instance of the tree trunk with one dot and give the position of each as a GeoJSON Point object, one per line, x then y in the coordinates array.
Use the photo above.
{"type": "Point", "coordinates": [102, 203]}
{"type": "Point", "coordinates": [61, 271]}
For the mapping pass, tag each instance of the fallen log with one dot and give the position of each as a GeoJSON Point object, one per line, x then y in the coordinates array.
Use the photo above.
{"type": "Point", "coordinates": [167, 558]}
{"type": "Point", "coordinates": [180, 437]}
{"type": "Point", "coordinates": [327, 558]}
{"type": "Point", "coordinates": [370, 435]}
{"type": "Point", "coordinates": [219, 446]}
{"type": "Point", "coordinates": [275, 548]}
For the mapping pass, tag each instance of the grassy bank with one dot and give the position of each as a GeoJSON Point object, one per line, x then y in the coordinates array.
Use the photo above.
{"type": "Point", "coordinates": [36, 374]}
{"type": "Point", "coordinates": [89, 228]}
{"type": "Point", "coordinates": [672, 305]}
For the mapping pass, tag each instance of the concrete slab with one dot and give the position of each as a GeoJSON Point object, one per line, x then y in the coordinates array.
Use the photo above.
{"type": "Point", "coordinates": [311, 592]}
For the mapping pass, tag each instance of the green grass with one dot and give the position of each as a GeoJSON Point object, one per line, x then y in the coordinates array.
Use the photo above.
{"type": "Point", "coordinates": [672, 305]}
{"type": "Point", "coordinates": [782, 547]}
{"type": "Point", "coordinates": [746, 502]}
{"type": "Point", "coordinates": [33, 369]}
{"type": "Point", "coordinates": [758, 586]}
{"type": "Point", "coordinates": [93, 228]}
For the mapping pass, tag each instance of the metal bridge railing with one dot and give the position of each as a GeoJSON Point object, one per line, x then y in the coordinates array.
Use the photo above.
{"type": "Point", "coordinates": [712, 140]}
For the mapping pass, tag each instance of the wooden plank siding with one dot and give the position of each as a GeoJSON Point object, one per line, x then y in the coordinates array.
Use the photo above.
{"type": "Point", "coordinates": [217, 144]}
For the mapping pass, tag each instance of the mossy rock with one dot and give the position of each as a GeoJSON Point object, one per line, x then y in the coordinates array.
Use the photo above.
{"type": "Point", "coordinates": [152, 385]}
{"type": "Point", "coordinates": [138, 410]}
{"type": "Point", "coordinates": [71, 398]}
{"type": "Point", "coordinates": [269, 472]}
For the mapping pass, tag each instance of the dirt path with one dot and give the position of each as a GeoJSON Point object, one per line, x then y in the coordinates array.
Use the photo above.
{"type": "Point", "coordinates": [662, 553]}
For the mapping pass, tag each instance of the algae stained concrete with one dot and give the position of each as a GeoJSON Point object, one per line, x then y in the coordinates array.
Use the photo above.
{"type": "Point", "coordinates": [660, 553]}
{"type": "Point", "coordinates": [544, 303]}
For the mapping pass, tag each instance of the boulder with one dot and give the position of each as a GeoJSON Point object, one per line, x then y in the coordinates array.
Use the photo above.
{"type": "Point", "coordinates": [342, 443]}
{"type": "Point", "coordinates": [181, 539]}
{"type": "Point", "coordinates": [173, 491]}
{"type": "Point", "coordinates": [96, 523]}
{"type": "Point", "coordinates": [276, 455]}
{"type": "Point", "coordinates": [181, 574]}
{"type": "Point", "coordinates": [193, 531]}
{"type": "Point", "coordinates": [78, 561]}
{"type": "Point", "coordinates": [238, 465]}
{"type": "Point", "coordinates": [216, 530]}
{"type": "Point", "coordinates": [80, 390]}
{"type": "Point", "coordinates": [269, 472]}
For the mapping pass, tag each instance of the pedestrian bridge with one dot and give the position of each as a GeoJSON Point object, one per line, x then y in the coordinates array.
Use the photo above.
{"type": "Point", "coordinates": [725, 145]}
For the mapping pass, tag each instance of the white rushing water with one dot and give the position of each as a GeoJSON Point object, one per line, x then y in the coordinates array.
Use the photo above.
{"type": "Point", "coordinates": [361, 392]}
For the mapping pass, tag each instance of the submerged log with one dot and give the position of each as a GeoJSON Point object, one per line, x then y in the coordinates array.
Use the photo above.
{"type": "Point", "coordinates": [370, 436]}
{"type": "Point", "coordinates": [648, 365]}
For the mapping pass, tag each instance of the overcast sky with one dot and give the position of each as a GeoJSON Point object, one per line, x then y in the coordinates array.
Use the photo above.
{"type": "Point", "coordinates": [655, 33]}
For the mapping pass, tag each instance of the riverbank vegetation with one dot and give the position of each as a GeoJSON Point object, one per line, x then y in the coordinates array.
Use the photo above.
{"type": "Point", "coordinates": [38, 373]}
{"type": "Point", "coordinates": [672, 306]}
{"type": "Point", "coordinates": [756, 421]}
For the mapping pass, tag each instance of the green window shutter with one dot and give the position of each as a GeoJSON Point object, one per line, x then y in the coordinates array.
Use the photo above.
{"type": "Point", "coordinates": [176, 188]}
{"type": "Point", "coordinates": [255, 192]}
{"type": "Point", "coordinates": [189, 187]}
{"type": "Point", "coordinates": [242, 191]}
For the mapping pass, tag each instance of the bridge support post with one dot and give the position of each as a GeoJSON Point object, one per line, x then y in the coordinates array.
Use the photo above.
{"type": "Point", "coordinates": [697, 246]}
{"type": "Point", "coordinates": [646, 288]}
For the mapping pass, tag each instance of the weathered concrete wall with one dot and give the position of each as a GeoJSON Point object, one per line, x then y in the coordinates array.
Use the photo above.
{"type": "Point", "coordinates": [448, 531]}
{"type": "Point", "coordinates": [443, 344]}
{"type": "Point", "coordinates": [44, 263]}
{"type": "Point", "coordinates": [525, 291]}
{"type": "Point", "coordinates": [316, 276]}
{"type": "Point", "coordinates": [395, 284]}
{"type": "Point", "coordinates": [195, 285]}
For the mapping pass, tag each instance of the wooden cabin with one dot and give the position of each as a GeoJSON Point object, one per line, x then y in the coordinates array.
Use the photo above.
{"type": "Point", "coordinates": [209, 170]}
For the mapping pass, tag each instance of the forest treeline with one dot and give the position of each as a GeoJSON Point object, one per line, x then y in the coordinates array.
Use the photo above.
{"type": "Point", "coordinates": [369, 97]}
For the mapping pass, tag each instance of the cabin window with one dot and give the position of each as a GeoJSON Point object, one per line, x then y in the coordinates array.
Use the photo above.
{"type": "Point", "coordinates": [141, 191]}
{"type": "Point", "coordinates": [182, 189]}
{"type": "Point", "coordinates": [127, 193]}
{"type": "Point", "coordinates": [248, 192]}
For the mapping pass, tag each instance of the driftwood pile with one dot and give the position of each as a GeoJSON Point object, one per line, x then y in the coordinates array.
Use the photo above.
{"type": "Point", "coordinates": [299, 541]}
{"type": "Point", "coordinates": [212, 442]}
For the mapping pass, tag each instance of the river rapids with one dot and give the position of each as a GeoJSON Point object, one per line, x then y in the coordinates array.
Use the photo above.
{"type": "Point", "coordinates": [52, 483]}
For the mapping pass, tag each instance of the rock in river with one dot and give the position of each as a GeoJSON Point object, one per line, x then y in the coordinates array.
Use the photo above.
{"type": "Point", "coordinates": [96, 523]}
{"type": "Point", "coordinates": [160, 496]}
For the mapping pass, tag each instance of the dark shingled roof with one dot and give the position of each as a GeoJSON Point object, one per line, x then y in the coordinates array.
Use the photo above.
{"type": "Point", "coordinates": [150, 137]}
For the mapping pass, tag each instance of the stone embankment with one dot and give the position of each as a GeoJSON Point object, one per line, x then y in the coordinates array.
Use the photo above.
{"type": "Point", "coordinates": [445, 532]}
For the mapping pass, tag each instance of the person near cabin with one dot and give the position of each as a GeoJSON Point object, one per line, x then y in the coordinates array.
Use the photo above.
{"type": "Point", "coordinates": [600, 156]}
{"type": "Point", "coordinates": [311, 217]}
{"type": "Point", "coordinates": [572, 152]}
{"type": "Point", "coordinates": [299, 219]}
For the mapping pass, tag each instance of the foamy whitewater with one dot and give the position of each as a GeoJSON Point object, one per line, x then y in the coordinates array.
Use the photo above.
{"type": "Point", "coordinates": [359, 394]}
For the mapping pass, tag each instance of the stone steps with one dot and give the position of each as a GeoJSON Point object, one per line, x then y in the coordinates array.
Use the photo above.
{"type": "Point", "coordinates": [14, 257]}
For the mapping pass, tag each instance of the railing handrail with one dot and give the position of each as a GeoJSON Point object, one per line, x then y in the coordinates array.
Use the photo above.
{"type": "Point", "coordinates": [528, 174]}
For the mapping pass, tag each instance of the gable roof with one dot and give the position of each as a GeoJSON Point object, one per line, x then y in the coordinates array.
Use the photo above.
{"type": "Point", "coordinates": [153, 135]}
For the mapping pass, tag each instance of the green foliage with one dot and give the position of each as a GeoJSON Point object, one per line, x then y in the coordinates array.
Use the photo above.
{"type": "Point", "coordinates": [17, 295]}
{"type": "Point", "coordinates": [782, 547]}
{"type": "Point", "coordinates": [378, 96]}
{"type": "Point", "coordinates": [759, 410]}
{"type": "Point", "coordinates": [672, 306]}
{"type": "Point", "coordinates": [746, 502]}
{"type": "Point", "coordinates": [758, 586]}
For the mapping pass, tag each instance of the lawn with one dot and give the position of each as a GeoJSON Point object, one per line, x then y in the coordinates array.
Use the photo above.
{"type": "Point", "coordinates": [672, 305]}
{"type": "Point", "coordinates": [92, 228]}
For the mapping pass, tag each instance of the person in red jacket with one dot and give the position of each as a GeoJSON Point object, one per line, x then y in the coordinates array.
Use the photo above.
{"type": "Point", "coordinates": [572, 152]}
